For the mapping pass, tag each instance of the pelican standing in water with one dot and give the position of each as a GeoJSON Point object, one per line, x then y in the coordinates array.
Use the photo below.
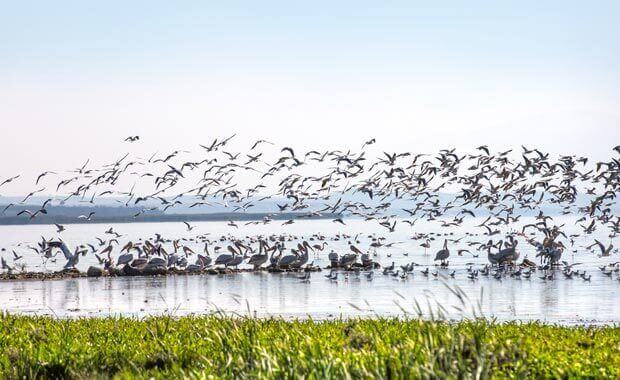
{"type": "Point", "coordinates": [225, 259]}
{"type": "Point", "coordinates": [286, 261]}
{"type": "Point", "coordinates": [303, 258]}
{"type": "Point", "coordinates": [509, 254]}
{"type": "Point", "coordinates": [260, 258]}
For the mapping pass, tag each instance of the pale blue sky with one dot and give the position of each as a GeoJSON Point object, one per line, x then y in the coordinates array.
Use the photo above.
{"type": "Point", "coordinates": [114, 37]}
{"type": "Point", "coordinates": [414, 75]}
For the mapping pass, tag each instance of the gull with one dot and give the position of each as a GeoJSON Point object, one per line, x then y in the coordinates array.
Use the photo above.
{"type": "Point", "coordinates": [290, 150]}
{"type": "Point", "coordinates": [460, 252]}
{"type": "Point", "coordinates": [59, 227]}
{"type": "Point", "coordinates": [16, 257]}
{"type": "Point", "coordinates": [226, 140]}
{"type": "Point", "coordinates": [369, 142]}
{"type": "Point", "coordinates": [9, 180]}
{"type": "Point", "coordinates": [43, 175]}
{"type": "Point", "coordinates": [6, 266]}
{"type": "Point", "coordinates": [31, 214]}
{"type": "Point", "coordinates": [252, 159]}
{"type": "Point", "coordinates": [80, 170]}
{"type": "Point", "coordinates": [484, 148]}
{"type": "Point", "coordinates": [7, 207]}
{"type": "Point", "coordinates": [211, 147]}
{"type": "Point", "coordinates": [260, 142]}
{"type": "Point", "coordinates": [87, 217]}
{"type": "Point", "coordinates": [72, 258]}
{"type": "Point", "coordinates": [31, 194]}
{"type": "Point", "coordinates": [231, 156]}
{"type": "Point", "coordinates": [189, 227]}
{"type": "Point", "coordinates": [604, 251]}
{"type": "Point", "coordinates": [110, 231]}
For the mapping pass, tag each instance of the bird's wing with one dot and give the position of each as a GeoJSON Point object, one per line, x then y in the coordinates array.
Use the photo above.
{"type": "Point", "coordinates": [600, 245]}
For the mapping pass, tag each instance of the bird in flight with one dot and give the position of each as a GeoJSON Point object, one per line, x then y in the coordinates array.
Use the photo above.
{"type": "Point", "coordinates": [188, 226]}
{"type": "Point", "coordinates": [9, 180]}
{"type": "Point", "coordinates": [87, 217]}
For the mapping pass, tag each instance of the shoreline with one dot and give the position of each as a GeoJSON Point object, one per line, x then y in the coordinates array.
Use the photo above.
{"type": "Point", "coordinates": [134, 272]}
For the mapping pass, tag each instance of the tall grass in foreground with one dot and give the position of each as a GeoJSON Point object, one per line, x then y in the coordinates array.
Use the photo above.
{"type": "Point", "coordinates": [167, 347]}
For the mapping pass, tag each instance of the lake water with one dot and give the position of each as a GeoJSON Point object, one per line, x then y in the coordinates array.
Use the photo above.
{"type": "Point", "coordinates": [561, 300]}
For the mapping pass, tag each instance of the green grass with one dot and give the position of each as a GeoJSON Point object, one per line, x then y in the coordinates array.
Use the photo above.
{"type": "Point", "coordinates": [201, 347]}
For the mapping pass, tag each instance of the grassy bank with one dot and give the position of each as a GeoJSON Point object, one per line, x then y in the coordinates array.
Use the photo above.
{"type": "Point", "coordinates": [226, 347]}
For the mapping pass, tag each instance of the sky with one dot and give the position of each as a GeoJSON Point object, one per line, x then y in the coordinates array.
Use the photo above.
{"type": "Point", "coordinates": [78, 77]}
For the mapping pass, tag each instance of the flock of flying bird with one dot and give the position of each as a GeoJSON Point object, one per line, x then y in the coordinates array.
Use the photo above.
{"type": "Point", "coordinates": [391, 189]}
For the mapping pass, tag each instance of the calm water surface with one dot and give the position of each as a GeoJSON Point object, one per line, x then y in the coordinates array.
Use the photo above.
{"type": "Point", "coordinates": [264, 294]}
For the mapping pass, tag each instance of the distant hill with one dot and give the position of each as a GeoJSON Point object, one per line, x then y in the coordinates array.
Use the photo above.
{"type": "Point", "coordinates": [116, 214]}
{"type": "Point", "coordinates": [111, 210]}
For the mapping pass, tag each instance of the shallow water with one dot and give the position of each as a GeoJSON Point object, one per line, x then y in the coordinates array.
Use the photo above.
{"type": "Point", "coordinates": [262, 294]}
